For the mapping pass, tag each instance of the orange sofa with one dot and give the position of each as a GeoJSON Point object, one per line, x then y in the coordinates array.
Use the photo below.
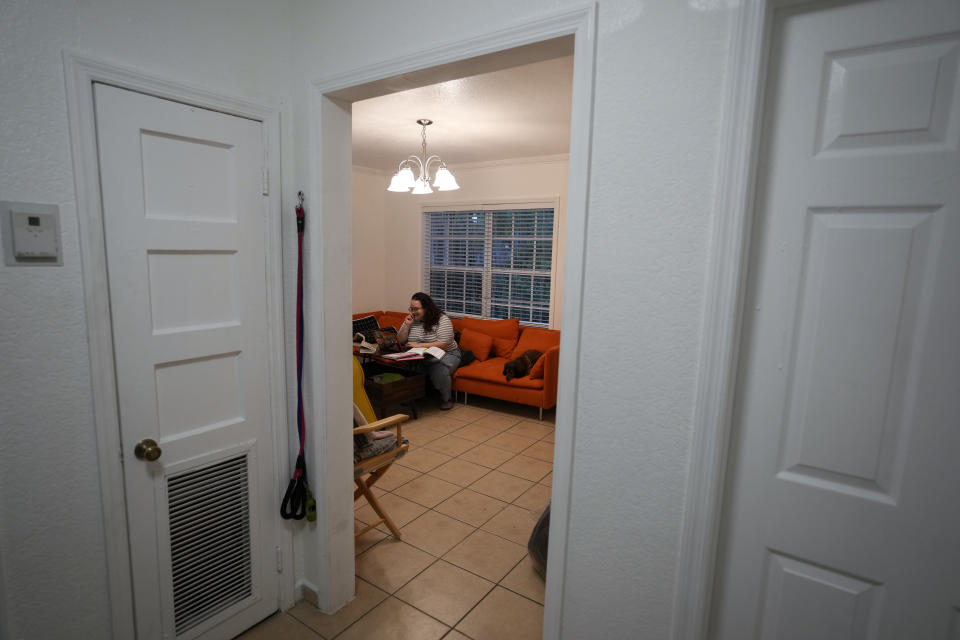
{"type": "Point", "coordinates": [493, 343]}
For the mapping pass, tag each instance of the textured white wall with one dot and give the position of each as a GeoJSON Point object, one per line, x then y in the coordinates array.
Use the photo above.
{"type": "Point", "coordinates": [656, 128]}
{"type": "Point", "coordinates": [369, 241]}
{"type": "Point", "coordinates": [659, 72]}
{"type": "Point", "coordinates": [51, 531]}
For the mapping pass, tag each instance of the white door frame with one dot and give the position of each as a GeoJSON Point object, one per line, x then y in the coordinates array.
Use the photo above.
{"type": "Point", "coordinates": [81, 72]}
{"type": "Point", "coordinates": [329, 179]}
{"type": "Point", "coordinates": [741, 123]}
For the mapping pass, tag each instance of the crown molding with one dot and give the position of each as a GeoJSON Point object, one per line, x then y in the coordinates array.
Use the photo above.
{"type": "Point", "coordinates": [485, 164]}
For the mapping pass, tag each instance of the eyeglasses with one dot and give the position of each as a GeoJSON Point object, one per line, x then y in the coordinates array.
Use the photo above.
{"type": "Point", "coordinates": [412, 309]}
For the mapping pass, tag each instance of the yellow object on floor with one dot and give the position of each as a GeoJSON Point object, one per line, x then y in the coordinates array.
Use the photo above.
{"type": "Point", "coordinates": [360, 394]}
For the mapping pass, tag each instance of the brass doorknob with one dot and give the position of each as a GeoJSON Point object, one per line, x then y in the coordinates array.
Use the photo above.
{"type": "Point", "coordinates": [147, 449]}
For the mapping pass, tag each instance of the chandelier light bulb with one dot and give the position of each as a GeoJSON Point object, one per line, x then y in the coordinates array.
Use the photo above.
{"type": "Point", "coordinates": [396, 184]}
{"type": "Point", "coordinates": [422, 188]}
{"type": "Point", "coordinates": [445, 180]}
{"type": "Point", "coordinates": [402, 180]}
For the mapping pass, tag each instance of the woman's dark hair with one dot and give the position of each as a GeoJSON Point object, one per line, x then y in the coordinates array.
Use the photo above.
{"type": "Point", "coordinates": [431, 312]}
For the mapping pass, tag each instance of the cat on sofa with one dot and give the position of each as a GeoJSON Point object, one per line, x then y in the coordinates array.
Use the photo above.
{"type": "Point", "coordinates": [519, 367]}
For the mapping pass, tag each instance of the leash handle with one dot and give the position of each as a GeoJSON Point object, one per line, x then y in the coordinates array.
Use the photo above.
{"type": "Point", "coordinates": [294, 505]}
{"type": "Point", "coordinates": [298, 495]}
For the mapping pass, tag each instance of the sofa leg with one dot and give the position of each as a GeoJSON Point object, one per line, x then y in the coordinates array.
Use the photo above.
{"type": "Point", "coordinates": [464, 398]}
{"type": "Point", "coordinates": [541, 414]}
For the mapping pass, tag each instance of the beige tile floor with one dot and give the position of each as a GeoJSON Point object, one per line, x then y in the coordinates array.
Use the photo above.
{"type": "Point", "coordinates": [465, 497]}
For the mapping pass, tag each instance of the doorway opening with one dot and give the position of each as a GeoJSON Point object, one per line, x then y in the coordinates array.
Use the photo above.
{"type": "Point", "coordinates": [478, 477]}
{"type": "Point", "coordinates": [331, 170]}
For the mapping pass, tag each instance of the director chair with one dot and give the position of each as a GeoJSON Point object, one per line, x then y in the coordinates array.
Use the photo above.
{"type": "Point", "coordinates": [373, 450]}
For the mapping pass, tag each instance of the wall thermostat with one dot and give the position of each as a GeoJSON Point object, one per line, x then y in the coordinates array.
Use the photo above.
{"type": "Point", "coordinates": [31, 234]}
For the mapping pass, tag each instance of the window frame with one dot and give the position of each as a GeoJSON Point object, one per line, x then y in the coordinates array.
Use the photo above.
{"type": "Point", "coordinates": [488, 269]}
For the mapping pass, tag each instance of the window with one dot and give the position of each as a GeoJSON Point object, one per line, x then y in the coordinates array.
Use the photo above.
{"type": "Point", "coordinates": [490, 263]}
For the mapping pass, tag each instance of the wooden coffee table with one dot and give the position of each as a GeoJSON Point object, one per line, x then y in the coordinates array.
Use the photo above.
{"type": "Point", "coordinates": [400, 393]}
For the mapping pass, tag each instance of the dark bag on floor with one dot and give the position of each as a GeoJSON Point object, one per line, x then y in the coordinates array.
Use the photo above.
{"type": "Point", "coordinates": [537, 546]}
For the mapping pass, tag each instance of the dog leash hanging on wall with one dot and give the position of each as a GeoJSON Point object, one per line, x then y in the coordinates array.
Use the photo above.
{"type": "Point", "coordinates": [298, 502]}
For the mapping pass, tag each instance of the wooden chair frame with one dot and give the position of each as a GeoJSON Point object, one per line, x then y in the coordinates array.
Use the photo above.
{"type": "Point", "coordinates": [376, 467]}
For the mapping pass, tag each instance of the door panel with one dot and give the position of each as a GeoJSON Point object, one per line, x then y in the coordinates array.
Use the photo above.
{"type": "Point", "coordinates": [853, 347]}
{"type": "Point", "coordinates": [840, 518]}
{"type": "Point", "coordinates": [802, 600]}
{"type": "Point", "coordinates": [184, 222]}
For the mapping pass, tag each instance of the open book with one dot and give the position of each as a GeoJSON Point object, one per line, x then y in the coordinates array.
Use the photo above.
{"type": "Point", "coordinates": [417, 353]}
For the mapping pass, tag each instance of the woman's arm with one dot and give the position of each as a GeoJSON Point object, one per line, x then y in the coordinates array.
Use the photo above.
{"type": "Point", "coordinates": [442, 345]}
{"type": "Point", "coordinates": [404, 330]}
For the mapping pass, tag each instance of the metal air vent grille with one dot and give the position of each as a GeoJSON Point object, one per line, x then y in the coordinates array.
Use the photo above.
{"type": "Point", "coordinates": [209, 541]}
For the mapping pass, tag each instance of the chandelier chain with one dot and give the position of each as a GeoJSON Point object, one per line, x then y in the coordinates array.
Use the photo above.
{"type": "Point", "coordinates": [423, 135]}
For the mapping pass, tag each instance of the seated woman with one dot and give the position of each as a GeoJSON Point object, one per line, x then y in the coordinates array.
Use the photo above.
{"type": "Point", "coordinates": [427, 326]}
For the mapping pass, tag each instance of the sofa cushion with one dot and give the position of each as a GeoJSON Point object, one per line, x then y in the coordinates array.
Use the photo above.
{"type": "Point", "coordinates": [503, 347]}
{"type": "Point", "coordinates": [492, 371]}
{"type": "Point", "coordinates": [536, 371]}
{"type": "Point", "coordinates": [509, 328]}
{"type": "Point", "coordinates": [527, 382]}
{"type": "Point", "coordinates": [533, 338]}
{"type": "Point", "coordinates": [479, 343]}
{"type": "Point", "coordinates": [392, 319]}
{"type": "Point", "coordinates": [375, 448]}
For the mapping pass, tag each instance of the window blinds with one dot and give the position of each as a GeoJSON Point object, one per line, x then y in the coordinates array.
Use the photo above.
{"type": "Point", "coordinates": [491, 262]}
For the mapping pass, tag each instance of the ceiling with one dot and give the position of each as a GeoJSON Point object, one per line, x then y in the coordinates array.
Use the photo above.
{"type": "Point", "coordinates": [517, 112]}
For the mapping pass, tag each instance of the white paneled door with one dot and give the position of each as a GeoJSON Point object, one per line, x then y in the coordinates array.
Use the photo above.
{"type": "Point", "coordinates": [842, 514]}
{"type": "Point", "coordinates": [185, 226]}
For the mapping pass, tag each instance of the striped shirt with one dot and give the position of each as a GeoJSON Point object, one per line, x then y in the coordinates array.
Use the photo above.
{"type": "Point", "coordinates": [443, 332]}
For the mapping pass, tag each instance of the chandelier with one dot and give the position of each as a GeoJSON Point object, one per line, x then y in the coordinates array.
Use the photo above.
{"type": "Point", "coordinates": [403, 179]}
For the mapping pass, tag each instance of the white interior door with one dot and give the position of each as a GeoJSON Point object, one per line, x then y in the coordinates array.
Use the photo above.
{"type": "Point", "coordinates": [185, 223]}
{"type": "Point", "coordinates": [842, 517]}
